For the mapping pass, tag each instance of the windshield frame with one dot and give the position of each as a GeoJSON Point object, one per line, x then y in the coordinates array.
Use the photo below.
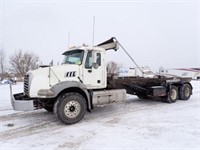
{"type": "Point", "coordinates": [71, 52]}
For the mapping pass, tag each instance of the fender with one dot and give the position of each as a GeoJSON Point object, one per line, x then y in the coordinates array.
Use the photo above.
{"type": "Point", "coordinates": [59, 87]}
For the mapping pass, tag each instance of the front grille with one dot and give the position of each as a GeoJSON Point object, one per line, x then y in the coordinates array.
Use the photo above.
{"type": "Point", "coordinates": [26, 82]}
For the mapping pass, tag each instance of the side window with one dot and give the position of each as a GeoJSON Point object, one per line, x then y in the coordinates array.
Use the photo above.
{"type": "Point", "coordinates": [88, 62]}
{"type": "Point", "coordinates": [99, 59]}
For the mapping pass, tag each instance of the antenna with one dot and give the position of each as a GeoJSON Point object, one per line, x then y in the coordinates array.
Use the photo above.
{"type": "Point", "coordinates": [93, 31]}
{"type": "Point", "coordinates": [68, 39]}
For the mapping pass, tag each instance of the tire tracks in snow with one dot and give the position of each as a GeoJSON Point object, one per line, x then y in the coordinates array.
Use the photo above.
{"type": "Point", "coordinates": [120, 109]}
{"type": "Point", "coordinates": [29, 130]}
{"type": "Point", "coordinates": [22, 115]}
{"type": "Point", "coordinates": [75, 143]}
{"type": "Point", "coordinates": [27, 123]}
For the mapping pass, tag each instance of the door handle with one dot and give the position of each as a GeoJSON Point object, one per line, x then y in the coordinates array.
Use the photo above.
{"type": "Point", "coordinates": [89, 71]}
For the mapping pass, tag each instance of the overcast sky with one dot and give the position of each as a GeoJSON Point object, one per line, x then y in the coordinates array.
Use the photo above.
{"type": "Point", "coordinates": [155, 33]}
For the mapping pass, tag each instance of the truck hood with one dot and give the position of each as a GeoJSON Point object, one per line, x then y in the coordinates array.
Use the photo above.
{"type": "Point", "coordinates": [61, 71]}
{"type": "Point", "coordinates": [45, 78]}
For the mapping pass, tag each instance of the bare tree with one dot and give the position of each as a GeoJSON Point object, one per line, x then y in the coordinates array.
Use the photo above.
{"type": "Point", "coordinates": [23, 62]}
{"type": "Point", "coordinates": [2, 63]}
{"type": "Point", "coordinates": [112, 68]}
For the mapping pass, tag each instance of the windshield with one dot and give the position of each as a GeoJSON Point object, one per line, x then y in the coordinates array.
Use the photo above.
{"type": "Point", "coordinates": [73, 57]}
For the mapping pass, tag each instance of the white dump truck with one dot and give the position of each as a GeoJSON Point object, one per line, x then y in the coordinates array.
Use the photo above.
{"type": "Point", "coordinates": [81, 83]}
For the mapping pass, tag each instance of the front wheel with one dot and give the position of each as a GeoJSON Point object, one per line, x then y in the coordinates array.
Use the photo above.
{"type": "Point", "coordinates": [70, 108]}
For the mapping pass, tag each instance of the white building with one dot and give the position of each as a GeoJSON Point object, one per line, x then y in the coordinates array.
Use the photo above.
{"type": "Point", "coordinates": [193, 73]}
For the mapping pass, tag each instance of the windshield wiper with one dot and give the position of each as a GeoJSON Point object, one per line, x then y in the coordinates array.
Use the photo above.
{"type": "Point", "coordinates": [68, 62]}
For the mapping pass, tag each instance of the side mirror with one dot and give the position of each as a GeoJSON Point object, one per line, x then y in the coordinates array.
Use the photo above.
{"type": "Point", "coordinates": [95, 65]}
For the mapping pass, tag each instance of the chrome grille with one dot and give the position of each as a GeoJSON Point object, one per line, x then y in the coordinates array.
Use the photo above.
{"type": "Point", "coordinates": [26, 88]}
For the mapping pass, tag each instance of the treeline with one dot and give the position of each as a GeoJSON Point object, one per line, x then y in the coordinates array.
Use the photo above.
{"type": "Point", "coordinates": [17, 64]}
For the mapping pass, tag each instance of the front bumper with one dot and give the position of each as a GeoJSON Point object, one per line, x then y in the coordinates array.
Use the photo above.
{"type": "Point", "coordinates": [21, 102]}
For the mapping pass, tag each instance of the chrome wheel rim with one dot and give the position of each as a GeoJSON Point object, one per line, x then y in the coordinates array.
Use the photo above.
{"type": "Point", "coordinates": [72, 109]}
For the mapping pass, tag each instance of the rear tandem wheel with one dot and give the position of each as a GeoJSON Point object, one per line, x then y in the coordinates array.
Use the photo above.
{"type": "Point", "coordinates": [185, 91]}
{"type": "Point", "coordinates": [172, 95]}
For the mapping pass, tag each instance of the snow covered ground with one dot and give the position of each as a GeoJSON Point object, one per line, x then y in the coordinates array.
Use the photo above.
{"type": "Point", "coordinates": [132, 124]}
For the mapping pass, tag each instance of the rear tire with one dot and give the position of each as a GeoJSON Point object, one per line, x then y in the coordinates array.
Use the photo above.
{"type": "Point", "coordinates": [70, 108]}
{"type": "Point", "coordinates": [185, 92]}
{"type": "Point", "coordinates": [172, 95]}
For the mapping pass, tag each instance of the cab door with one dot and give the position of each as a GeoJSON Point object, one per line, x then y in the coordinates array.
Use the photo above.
{"type": "Point", "coordinates": [93, 75]}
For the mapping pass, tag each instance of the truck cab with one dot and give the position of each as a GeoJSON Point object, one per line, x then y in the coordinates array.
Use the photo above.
{"type": "Point", "coordinates": [91, 66]}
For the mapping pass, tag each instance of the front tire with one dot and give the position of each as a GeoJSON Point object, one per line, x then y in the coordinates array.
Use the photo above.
{"type": "Point", "coordinates": [70, 108]}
